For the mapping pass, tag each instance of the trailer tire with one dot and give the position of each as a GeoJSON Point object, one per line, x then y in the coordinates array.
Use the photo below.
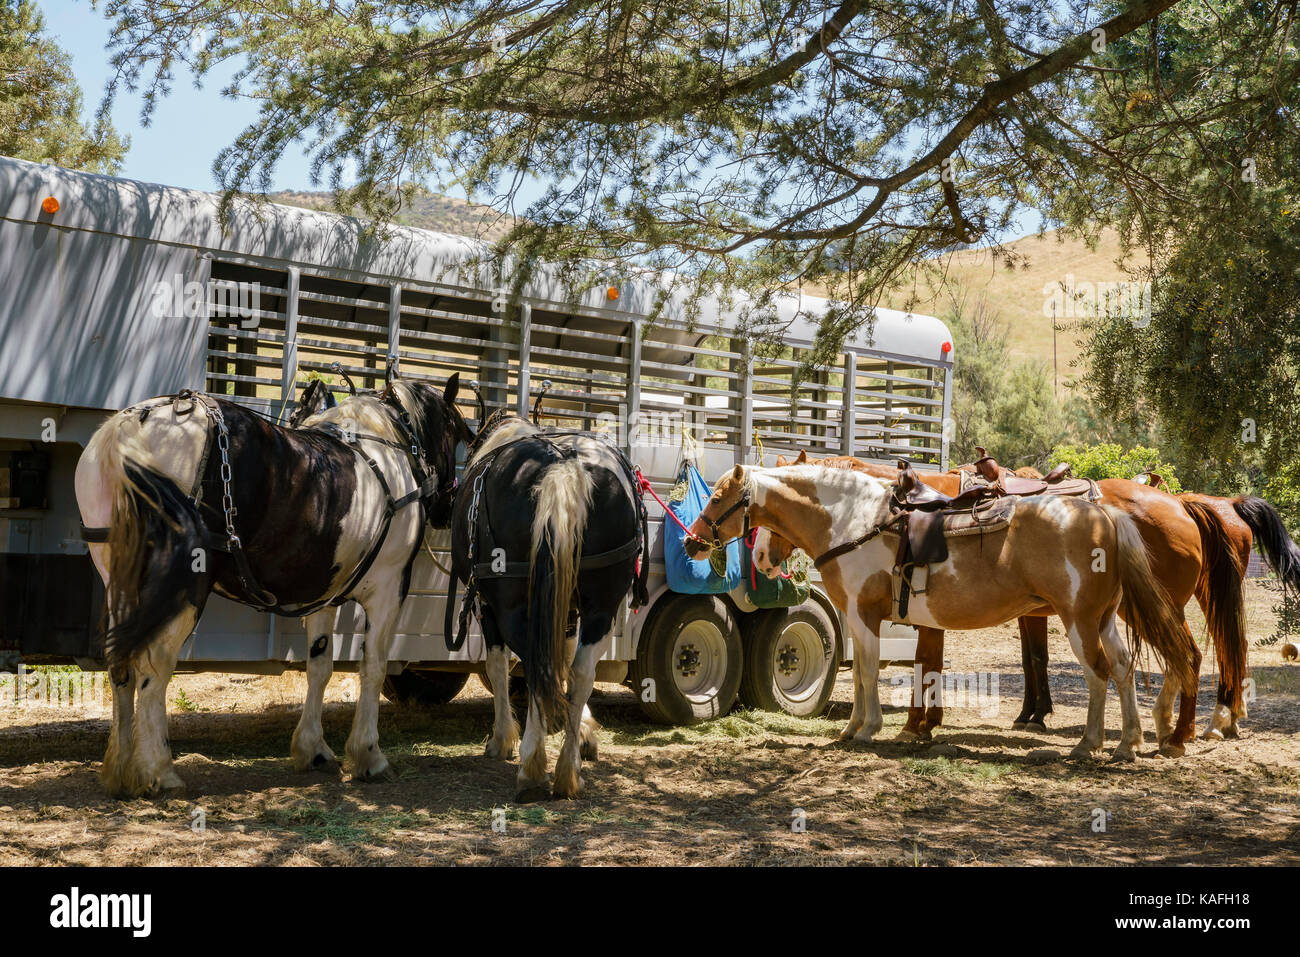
{"type": "Point", "coordinates": [424, 687]}
{"type": "Point", "coordinates": [791, 660]}
{"type": "Point", "coordinates": [689, 660]}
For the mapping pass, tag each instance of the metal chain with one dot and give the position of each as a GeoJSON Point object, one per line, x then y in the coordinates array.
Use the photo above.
{"type": "Point", "coordinates": [223, 446]}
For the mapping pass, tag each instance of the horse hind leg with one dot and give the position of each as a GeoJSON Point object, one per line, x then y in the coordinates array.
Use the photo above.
{"type": "Point", "coordinates": [1033, 659]}
{"type": "Point", "coordinates": [364, 759]}
{"type": "Point", "coordinates": [1085, 641]}
{"type": "Point", "coordinates": [1124, 672]}
{"type": "Point", "coordinates": [121, 735]}
{"type": "Point", "coordinates": [532, 783]}
{"type": "Point", "coordinates": [308, 748]}
{"type": "Point", "coordinates": [505, 729]}
{"type": "Point", "coordinates": [149, 771]}
{"type": "Point", "coordinates": [582, 676]}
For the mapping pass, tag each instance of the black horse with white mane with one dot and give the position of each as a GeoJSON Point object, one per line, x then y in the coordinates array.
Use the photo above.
{"type": "Point", "coordinates": [184, 495]}
{"type": "Point", "coordinates": [547, 524]}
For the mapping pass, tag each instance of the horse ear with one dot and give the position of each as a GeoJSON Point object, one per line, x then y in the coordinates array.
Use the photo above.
{"type": "Point", "coordinates": [781, 460]}
{"type": "Point", "coordinates": [453, 386]}
{"type": "Point", "coordinates": [738, 474]}
{"type": "Point", "coordinates": [803, 457]}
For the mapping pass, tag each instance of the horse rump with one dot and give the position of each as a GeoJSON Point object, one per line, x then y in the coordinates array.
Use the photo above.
{"type": "Point", "coordinates": [1219, 588]}
{"type": "Point", "coordinates": [1149, 610]}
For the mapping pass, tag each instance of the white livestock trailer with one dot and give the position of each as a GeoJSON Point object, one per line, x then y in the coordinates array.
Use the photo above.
{"type": "Point", "coordinates": [128, 290]}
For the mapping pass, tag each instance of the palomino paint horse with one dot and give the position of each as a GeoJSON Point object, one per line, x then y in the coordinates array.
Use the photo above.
{"type": "Point", "coordinates": [189, 494]}
{"type": "Point", "coordinates": [1047, 554]}
{"type": "Point", "coordinates": [548, 523]}
{"type": "Point", "coordinates": [1191, 553]}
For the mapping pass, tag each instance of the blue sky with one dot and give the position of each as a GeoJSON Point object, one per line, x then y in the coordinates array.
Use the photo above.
{"type": "Point", "coordinates": [188, 128]}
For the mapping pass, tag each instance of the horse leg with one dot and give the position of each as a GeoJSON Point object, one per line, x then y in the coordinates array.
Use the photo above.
{"type": "Point", "coordinates": [531, 783]}
{"type": "Point", "coordinates": [590, 749]}
{"type": "Point", "coordinates": [1033, 658]}
{"type": "Point", "coordinates": [505, 729]}
{"type": "Point", "coordinates": [922, 715]}
{"type": "Point", "coordinates": [568, 783]}
{"type": "Point", "coordinates": [120, 736]}
{"type": "Point", "coordinates": [867, 718]}
{"type": "Point", "coordinates": [308, 749]}
{"type": "Point", "coordinates": [1124, 673]}
{"type": "Point", "coordinates": [1086, 644]}
{"type": "Point", "coordinates": [149, 771]}
{"type": "Point", "coordinates": [364, 759]}
{"type": "Point", "coordinates": [857, 716]}
{"type": "Point", "coordinates": [1223, 723]}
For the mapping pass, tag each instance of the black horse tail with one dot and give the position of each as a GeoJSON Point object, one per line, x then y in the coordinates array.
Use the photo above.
{"type": "Point", "coordinates": [1219, 591]}
{"type": "Point", "coordinates": [152, 535]}
{"type": "Point", "coordinates": [1272, 538]}
{"type": "Point", "coordinates": [562, 502]}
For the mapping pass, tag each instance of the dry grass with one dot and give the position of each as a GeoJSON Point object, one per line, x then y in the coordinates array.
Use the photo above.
{"type": "Point", "coordinates": [725, 792]}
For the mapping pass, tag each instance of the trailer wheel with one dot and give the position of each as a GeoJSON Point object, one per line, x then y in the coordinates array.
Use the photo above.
{"type": "Point", "coordinates": [688, 661]}
{"type": "Point", "coordinates": [791, 659]}
{"type": "Point", "coordinates": [424, 687]}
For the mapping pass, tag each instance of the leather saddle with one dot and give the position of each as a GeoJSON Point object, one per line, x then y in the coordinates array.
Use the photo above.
{"type": "Point", "coordinates": [985, 504]}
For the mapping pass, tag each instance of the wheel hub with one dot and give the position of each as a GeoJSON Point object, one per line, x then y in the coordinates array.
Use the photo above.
{"type": "Point", "coordinates": [688, 661]}
{"type": "Point", "coordinates": [787, 660]}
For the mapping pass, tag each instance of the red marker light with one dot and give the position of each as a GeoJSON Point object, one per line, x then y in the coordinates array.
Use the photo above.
{"type": "Point", "coordinates": [50, 205]}
{"type": "Point", "coordinates": [947, 347]}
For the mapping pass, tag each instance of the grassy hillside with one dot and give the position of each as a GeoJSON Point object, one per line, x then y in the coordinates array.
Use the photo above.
{"type": "Point", "coordinates": [426, 211]}
{"type": "Point", "coordinates": [1018, 293]}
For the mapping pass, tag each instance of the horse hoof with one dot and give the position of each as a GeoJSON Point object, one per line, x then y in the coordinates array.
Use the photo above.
{"type": "Point", "coordinates": [1081, 752]}
{"type": "Point", "coordinates": [589, 751]}
{"type": "Point", "coordinates": [568, 791]}
{"type": "Point", "coordinates": [1122, 756]}
{"type": "Point", "coordinates": [532, 794]}
{"type": "Point", "coordinates": [908, 737]}
{"type": "Point", "coordinates": [324, 761]}
{"type": "Point", "coordinates": [1213, 734]}
{"type": "Point", "coordinates": [1036, 726]}
{"type": "Point", "coordinates": [495, 749]}
{"type": "Point", "coordinates": [1019, 725]}
{"type": "Point", "coordinates": [1171, 750]}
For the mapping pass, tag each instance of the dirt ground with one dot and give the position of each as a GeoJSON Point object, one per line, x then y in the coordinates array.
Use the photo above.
{"type": "Point", "coordinates": [732, 791]}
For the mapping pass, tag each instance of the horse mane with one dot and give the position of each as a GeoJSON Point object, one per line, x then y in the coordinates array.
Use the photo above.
{"type": "Point", "coordinates": [510, 428]}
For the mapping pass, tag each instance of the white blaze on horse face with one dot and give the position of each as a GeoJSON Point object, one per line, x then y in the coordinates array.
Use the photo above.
{"type": "Point", "coordinates": [762, 553]}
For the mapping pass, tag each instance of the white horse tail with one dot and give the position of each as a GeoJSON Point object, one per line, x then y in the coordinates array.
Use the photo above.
{"type": "Point", "coordinates": [152, 530]}
{"type": "Point", "coordinates": [562, 501]}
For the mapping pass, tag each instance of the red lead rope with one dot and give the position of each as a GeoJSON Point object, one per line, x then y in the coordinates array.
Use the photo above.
{"type": "Point", "coordinates": [646, 487]}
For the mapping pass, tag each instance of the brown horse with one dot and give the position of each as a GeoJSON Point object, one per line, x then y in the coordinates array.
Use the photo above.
{"type": "Point", "coordinates": [1084, 561]}
{"type": "Point", "coordinates": [1246, 520]}
{"type": "Point", "coordinates": [1191, 552]}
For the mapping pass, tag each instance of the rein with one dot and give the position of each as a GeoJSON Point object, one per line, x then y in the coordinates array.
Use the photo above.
{"type": "Point", "coordinates": [844, 548]}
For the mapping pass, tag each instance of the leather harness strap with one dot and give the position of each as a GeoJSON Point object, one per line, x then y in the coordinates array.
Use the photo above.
{"type": "Point", "coordinates": [427, 486]}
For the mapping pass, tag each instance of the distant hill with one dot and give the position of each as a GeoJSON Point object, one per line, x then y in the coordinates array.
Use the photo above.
{"type": "Point", "coordinates": [425, 211]}
{"type": "Point", "coordinates": [1019, 295]}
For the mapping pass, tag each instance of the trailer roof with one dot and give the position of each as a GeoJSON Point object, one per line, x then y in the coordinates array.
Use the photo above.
{"type": "Point", "coordinates": [292, 235]}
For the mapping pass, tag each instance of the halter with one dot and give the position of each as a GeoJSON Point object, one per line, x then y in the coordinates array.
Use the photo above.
{"type": "Point", "coordinates": [717, 547]}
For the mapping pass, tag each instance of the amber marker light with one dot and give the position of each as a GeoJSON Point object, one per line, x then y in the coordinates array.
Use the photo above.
{"type": "Point", "coordinates": [611, 293]}
{"type": "Point", "coordinates": [50, 205]}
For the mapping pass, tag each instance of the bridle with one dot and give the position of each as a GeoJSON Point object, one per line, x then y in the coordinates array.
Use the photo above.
{"type": "Point", "coordinates": [717, 547]}
{"type": "Point", "coordinates": [434, 497]}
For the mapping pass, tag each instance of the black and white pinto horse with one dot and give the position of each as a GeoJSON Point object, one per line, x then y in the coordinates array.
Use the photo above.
{"type": "Point", "coordinates": [546, 524]}
{"type": "Point", "coordinates": [184, 495]}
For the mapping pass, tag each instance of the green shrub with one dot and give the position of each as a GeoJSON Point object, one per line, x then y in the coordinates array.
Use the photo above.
{"type": "Point", "coordinates": [1109, 460]}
